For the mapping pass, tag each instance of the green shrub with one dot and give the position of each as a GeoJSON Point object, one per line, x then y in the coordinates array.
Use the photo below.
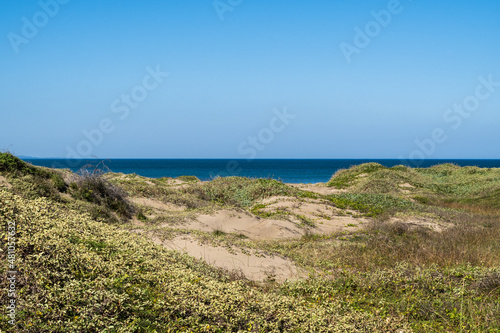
{"type": "Point", "coordinates": [141, 216]}
{"type": "Point", "coordinates": [30, 180]}
{"type": "Point", "coordinates": [347, 177]}
{"type": "Point", "coordinates": [421, 199]}
{"type": "Point", "coordinates": [11, 164]}
{"type": "Point", "coordinates": [239, 191]}
{"type": "Point", "coordinates": [189, 179]}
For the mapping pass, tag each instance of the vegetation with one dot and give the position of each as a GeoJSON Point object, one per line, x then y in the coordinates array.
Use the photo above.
{"type": "Point", "coordinates": [79, 275]}
{"type": "Point", "coordinates": [77, 272]}
{"type": "Point", "coordinates": [188, 179]}
{"type": "Point", "coordinates": [444, 185]}
{"type": "Point", "coordinates": [371, 204]}
{"type": "Point", "coordinates": [29, 180]}
{"type": "Point", "coordinates": [91, 186]}
{"type": "Point", "coordinates": [240, 192]}
{"type": "Point", "coordinates": [236, 192]}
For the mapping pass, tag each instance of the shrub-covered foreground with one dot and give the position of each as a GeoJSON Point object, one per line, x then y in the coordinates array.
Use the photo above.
{"type": "Point", "coordinates": [79, 275]}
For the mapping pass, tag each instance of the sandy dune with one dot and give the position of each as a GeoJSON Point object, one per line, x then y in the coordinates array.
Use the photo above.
{"type": "Point", "coordinates": [327, 219]}
{"type": "Point", "coordinates": [257, 268]}
{"type": "Point", "coordinates": [245, 223]}
{"type": "Point", "coordinates": [291, 214]}
{"type": "Point", "coordinates": [254, 265]}
{"type": "Point", "coordinates": [157, 204]}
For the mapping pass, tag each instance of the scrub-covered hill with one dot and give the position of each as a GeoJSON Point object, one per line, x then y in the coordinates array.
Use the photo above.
{"type": "Point", "coordinates": [375, 249]}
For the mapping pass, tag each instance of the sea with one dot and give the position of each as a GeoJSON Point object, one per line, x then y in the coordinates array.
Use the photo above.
{"type": "Point", "coordinates": [286, 170]}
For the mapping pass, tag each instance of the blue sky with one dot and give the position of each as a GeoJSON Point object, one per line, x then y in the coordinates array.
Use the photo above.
{"type": "Point", "coordinates": [234, 64]}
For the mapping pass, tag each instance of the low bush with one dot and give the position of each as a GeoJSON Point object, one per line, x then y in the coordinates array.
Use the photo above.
{"type": "Point", "coordinates": [91, 186]}
{"type": "Point", "coordinates": [239, 191]}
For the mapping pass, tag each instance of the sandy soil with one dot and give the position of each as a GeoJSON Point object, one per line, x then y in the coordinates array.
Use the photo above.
{"type": "Point", "coordinates": [255, 267]}
{"type": "Point", "coordinates": [157, 204]}
{"type": "Point", "coordinates": [319, 188]}
{"type": "Point", "coordinates": [406, 188]}
{"type": "Point", "coordinates": [326, 218]}
{"type": "Point", "coordinates": [245, 223]}
{"type": "Point", "coordinates": [4, 182]}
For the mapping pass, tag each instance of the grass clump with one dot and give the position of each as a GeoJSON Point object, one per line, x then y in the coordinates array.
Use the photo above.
{"type": "Point", "coordinates": [218, 232]}
{"type": "Point", "coordinates": [189, 179]}
{"type": "Point", "coordinates": [371, 204]}
{"type": "Point", "coordinates": [239, 191]}
{"type": "Point", "coordinates": [14, 165]}
{"type": "Point", "coordinates": [141, 217]}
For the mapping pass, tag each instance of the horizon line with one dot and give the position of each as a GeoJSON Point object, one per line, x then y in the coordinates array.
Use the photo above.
{"type": "Point", "coordinates": [244, 159]}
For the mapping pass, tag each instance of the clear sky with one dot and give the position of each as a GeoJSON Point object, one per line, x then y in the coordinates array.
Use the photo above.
{"type": "Point", "coordinates": [348, 79]}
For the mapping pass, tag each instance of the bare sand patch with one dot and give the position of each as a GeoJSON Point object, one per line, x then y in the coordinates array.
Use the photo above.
{"type": "Point", "coordinates": [157, 204]}
{"type": "Point", "coordinates": [253, 227]}
{"type": "Point", "coordinates": [137, 223]}
{"type": "Point", "coordinates": [339, 223]}
{"type": "Point", "coordinates": [175, 183]}
{"type": "Point", "coordinates": [257, 267]}
{"type": "Point", "coordinates": [319, 188]}
{"type": "Point", "coordinates": [327, 218]}
{"type": "Point", "coordinates": [4, 182]}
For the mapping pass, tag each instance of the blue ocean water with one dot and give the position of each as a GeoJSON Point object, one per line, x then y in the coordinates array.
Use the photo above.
{"type": "Point", "coordinates": [286, 170]}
